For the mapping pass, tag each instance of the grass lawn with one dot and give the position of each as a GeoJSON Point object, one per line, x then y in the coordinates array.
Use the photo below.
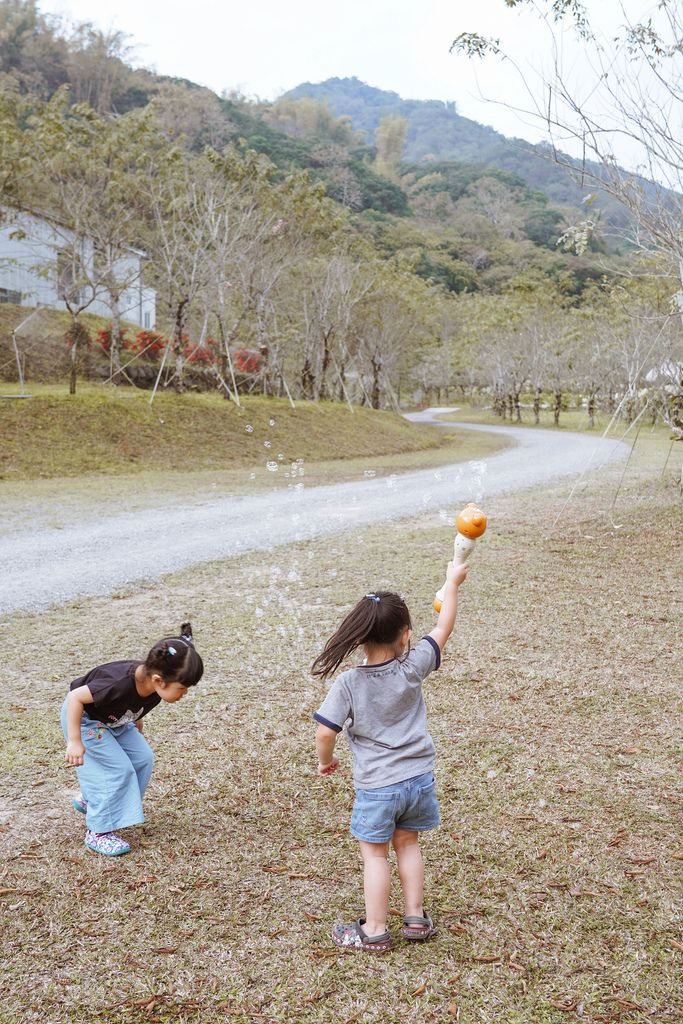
{"type": "Point", "coordinates": [570, 419]}
{"type": "Point", "coordinates": [107, 431]}
{"type": "Point", "coordinates": [556, 876]}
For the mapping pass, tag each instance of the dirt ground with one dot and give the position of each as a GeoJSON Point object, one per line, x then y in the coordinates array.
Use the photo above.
{"type": "Point", "coordinates": [556, 877]}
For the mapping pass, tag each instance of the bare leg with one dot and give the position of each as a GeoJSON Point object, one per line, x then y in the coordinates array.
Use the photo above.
{"type": "Point", "coordinates": [410, 870]}
{"type": "Point", "coordinates": [376, 884]}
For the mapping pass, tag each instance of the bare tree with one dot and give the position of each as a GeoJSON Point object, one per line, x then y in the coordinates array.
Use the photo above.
{"type": "Point", "coordinates": [632, 92]}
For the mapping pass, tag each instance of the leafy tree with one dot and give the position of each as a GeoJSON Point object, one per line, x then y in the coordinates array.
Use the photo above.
{"type": "Point", "coordinates": [390, 140]}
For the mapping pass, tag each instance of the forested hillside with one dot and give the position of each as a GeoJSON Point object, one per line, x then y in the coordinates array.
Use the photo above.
{"type": "Point", "coordinates": [317, 246]}
{"type": "Point", "coordinates": [437, 132]}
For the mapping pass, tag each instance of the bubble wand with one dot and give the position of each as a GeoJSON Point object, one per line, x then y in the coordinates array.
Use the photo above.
{"type": "Point", "coordinates": [471, 523]}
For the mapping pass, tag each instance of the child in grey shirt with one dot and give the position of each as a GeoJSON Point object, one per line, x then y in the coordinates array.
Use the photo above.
{"type": "Point", "coordinates": [382, 706]}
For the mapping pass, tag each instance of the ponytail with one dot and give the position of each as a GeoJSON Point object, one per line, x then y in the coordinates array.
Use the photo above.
{"type": "Point", "coordinates": [175, 659]}
{"type": "Point", "coordinates": [378, 618]}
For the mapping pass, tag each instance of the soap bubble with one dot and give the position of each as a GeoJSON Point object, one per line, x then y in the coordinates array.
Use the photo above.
{"type": "Point", "coordinates": [249, 429]}
{"type": "Point", "coordinates": [271, 423]}
{"type": "Point", "coordinates": [272, 467]}
{"type": "Point", "coordinates": [267, 444]}
{"type": "Point", "coordinates": [280, 457]}
{"type": "Point", "coordinates": [258, 612]}
{"type": "Point", "coordinates": [369, 473]}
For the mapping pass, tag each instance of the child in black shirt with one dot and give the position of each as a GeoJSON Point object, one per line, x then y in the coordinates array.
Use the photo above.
{"type": "Point", "coordinates": [101, 719]}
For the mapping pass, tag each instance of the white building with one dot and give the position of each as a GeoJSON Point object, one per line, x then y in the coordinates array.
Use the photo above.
{"type": "Point", "coordinates": [35, 260]}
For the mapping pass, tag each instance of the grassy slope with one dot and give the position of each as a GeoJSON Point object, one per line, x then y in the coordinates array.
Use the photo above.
{"type": "Point", "coordinates": [41, 342]}
{"type": "Point", "coordinates": [114, 431]}
{"type": "Point", "coordinates": [555, 715]}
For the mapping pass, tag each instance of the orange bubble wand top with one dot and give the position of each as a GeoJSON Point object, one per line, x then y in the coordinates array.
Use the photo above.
{"type": "Point", "coordinates": [471, 523]}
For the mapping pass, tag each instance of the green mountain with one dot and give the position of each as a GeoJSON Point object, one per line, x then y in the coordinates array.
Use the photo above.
{"type": "Point", "coordinates": [436, 132]}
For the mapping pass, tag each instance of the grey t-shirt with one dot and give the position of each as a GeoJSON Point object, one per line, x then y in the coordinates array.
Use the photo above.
{"type": "Point", "coordinates": [386, 715]}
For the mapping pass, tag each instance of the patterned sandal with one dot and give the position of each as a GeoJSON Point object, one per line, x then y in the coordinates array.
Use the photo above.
{"type": "Point", "coordinates": [418, 929]}
{"type": "Point", "coordinates": [353, 938]}
{"type": "Point", "coordinates": [80, 805]}
{"type": "Point", "coordinates": [109, 844]}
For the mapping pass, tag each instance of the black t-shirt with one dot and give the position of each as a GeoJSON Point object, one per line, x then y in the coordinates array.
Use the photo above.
{"type": "Point", "coordinates": [115, 697]}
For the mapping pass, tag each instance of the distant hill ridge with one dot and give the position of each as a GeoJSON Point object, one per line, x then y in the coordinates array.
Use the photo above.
{"type": "Point", "coordinates": [437, 132]}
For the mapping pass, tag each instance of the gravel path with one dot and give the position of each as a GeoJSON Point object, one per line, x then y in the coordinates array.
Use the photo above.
{"type": "Point", "coordinates": [41, 567]}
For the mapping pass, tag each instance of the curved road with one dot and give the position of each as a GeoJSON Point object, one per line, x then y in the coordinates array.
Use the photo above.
{"type": "Point", "coordinates": [40, 568]}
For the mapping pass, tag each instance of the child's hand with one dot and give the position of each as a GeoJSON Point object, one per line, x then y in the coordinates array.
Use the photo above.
{"type": "Point", "coordinates": [457, 574]}
{"type": "Point", "coordinates": [75, 751]}
{"type": "Point", "coordinates": [328, 769]}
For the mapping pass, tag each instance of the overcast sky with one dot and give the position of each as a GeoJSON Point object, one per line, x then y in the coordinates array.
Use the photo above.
{"type": "Point", "coordinates": [264, 47]}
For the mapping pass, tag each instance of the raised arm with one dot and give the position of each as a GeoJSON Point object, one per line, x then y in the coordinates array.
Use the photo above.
{"type": "Point", "coordinates": [455, 575]}
{"type": "Point", "coordinates": [75, 749]}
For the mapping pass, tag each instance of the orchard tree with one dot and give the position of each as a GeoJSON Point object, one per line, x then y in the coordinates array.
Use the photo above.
{"type": "Point", "coordinates": [396, 321]}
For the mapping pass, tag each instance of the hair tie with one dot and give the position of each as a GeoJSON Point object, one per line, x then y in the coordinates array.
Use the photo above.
{"type": "Point", "coordinates": [373, 597]}
{"type": "Point", "coordinates": [171, 650]}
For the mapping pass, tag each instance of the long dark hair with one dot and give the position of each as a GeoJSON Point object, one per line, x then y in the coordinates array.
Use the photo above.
{"type": "Point", "coordinates": [378, 618]}
{"type": "Point", "coordinates": [175, 658]}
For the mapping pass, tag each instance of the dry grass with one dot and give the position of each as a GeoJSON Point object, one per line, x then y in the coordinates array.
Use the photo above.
{"type": "Point", "coordinates": [555, 878]}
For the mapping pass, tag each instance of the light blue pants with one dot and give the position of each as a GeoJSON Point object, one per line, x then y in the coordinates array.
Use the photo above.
{"type": "Point", "coordinates": [116, 769]}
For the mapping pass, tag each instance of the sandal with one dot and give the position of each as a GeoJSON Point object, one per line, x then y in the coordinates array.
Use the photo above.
{"type": "Point", "coordinates": [352, 937]}
{"type": "Point", "coordinates": [109, 844]}
{"type": "Point", "coordinates": [418, 929]}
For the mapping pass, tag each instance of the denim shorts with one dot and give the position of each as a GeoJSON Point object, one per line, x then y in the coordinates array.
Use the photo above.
{"type": "Point", "coordinates": [411, 805]}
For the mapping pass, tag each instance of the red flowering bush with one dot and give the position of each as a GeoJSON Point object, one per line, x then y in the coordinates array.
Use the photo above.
{"type": "Point", "coordinates": [103, 339]}
{"type": "Point", "coordinates": [247, 360]}
{"type": "Point", "coordinates": [150, 342]}
{"type": "Point", "coordinates": [200, 355]}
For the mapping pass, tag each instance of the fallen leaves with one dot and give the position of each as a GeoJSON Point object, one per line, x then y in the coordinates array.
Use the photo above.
{"type": "Point", "coordinates": [676, 945]}
{"type": "Point", "coordinates": [317, 997]}
{"type": "Point", "coordinates": [420, 990]}
{"type": "Point", "coordinates": [617, 839]}
{"type": "Point", "coordinates": [458, 929]}
{"type": "Point", "coordinates": [136, 883]}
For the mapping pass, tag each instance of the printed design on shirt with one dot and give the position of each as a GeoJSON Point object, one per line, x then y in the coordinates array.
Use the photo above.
{"type": "Point", "coordinates": [128, 716]}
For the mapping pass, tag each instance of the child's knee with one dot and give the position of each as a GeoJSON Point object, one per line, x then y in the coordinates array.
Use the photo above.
{"type": "Point", "coordinates": [403, 838]}
{"type": "Point", "coordinates": [371, 850]}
